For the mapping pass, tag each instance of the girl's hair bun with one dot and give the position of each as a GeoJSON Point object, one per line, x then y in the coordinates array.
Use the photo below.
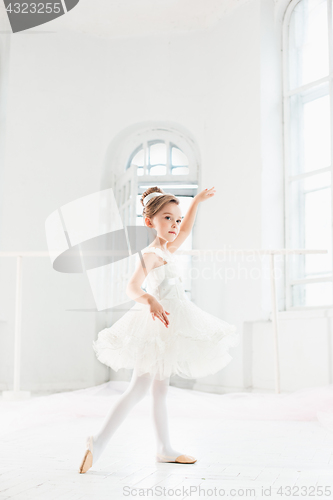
{"type": "Point", "coordinates": [150, 190]}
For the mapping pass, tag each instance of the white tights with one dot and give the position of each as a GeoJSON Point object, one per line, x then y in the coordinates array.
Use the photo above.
{"type": "Point", "coordinates": [135, 392]}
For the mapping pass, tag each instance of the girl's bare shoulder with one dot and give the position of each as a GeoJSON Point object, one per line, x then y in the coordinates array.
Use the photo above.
{"type": "Point", "coordinates": [153, 256]}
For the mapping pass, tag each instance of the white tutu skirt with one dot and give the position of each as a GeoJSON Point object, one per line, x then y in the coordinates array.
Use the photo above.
{"type": "Point", "coordinates": [194, 345]}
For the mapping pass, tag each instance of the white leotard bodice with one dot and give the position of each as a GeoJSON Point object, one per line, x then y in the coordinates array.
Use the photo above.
{"type": "Point", "coordinates": [164, 281]}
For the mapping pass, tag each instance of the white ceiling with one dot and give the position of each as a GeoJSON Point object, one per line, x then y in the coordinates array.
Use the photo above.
{"type": "Point", "coordinates": [131, 18]}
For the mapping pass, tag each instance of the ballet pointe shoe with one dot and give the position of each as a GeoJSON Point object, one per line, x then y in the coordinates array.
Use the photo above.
{"type": "Point", "coordinates": [87, 460]}
{"type": "Point", "coordinates": [182, 459]}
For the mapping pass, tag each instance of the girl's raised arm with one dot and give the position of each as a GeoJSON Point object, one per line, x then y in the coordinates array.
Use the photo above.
{"type": "Point", "coordinates": [188, 221]}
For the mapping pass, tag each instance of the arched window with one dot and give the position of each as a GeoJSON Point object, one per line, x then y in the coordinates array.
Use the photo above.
{"type": "Point", "coordinates": [165, 158]}
{"type": "Point", "coordinates": [308, 73]}
{"type": "Point", "coordinates": [159, 157]}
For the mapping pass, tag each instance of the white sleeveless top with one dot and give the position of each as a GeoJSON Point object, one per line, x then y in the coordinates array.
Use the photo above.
{"type": "Point", "coordinates": [164, 282]}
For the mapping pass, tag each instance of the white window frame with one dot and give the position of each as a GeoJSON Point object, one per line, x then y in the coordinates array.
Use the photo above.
{"type": "Point", "coordinates": [287, 94]}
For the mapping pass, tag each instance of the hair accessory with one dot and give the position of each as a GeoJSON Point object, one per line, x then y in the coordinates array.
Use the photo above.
{"type": "Point", "coordinates": [150, 196]}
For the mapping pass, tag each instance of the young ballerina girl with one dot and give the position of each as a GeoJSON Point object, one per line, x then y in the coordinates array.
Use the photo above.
{"type": "Point", "coordinates": [164, 333]}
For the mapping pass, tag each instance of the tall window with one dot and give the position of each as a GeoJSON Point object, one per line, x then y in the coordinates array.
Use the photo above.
{"type": "Point", "coordinates": [308, 79]}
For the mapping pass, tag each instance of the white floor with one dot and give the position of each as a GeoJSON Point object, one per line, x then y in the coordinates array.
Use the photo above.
{"type": "Point", "coordinates": [40, 460]}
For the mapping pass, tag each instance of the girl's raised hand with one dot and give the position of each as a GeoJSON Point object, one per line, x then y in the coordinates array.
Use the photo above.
{"type": "Point", "coordinates": [205, 194]}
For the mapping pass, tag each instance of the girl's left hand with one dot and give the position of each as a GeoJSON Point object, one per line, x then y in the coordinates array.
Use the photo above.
{"type": "Point", "coordinates": [205, 194]}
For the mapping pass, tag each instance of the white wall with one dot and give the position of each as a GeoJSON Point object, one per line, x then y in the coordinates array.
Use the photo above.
{"type": "Point", "coordinates": [305, 344]}
{"type": "Point", "coordinates": [69, 96]}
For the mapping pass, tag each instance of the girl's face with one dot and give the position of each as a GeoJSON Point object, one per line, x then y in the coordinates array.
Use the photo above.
{"type": "Point", "coordinates": [167, 221]}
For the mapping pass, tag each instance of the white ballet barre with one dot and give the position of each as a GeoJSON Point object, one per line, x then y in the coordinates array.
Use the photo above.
{"type": "Point", "coordinates": [16, 393]}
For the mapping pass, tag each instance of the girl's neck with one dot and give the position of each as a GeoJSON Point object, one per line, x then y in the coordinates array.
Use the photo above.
{"type": "Point", "coordinates": [160, 243]}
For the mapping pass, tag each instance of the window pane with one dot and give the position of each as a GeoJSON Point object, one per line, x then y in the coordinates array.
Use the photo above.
{"type": "Point", "coordinates": [318, 231]}
{"type": "Point", "coordinates": [310, 226]}
{"type": "Point", "coordinates": [308, 42]}
{"type": "Point", "coordinates": [312, 294]}
{"type": "Point", "coordinates": [139, 221]}
{"type": "Point", "coordinates": [317, 181]}
{"type": "Point", "coordinates": [178, 158]}
{"type": "Point", "coordinates": [157, 153]}
{"type": "Point", "coordinates": [184, 204]}
{"type": "Point", "coordinates": [310, 131]}
{"type": "Point", "coordinates": [158, 170]}
{"type": "Point", "coordinates": [179, 170]}
{"type": "Point", "coordinates": [138, 159]}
